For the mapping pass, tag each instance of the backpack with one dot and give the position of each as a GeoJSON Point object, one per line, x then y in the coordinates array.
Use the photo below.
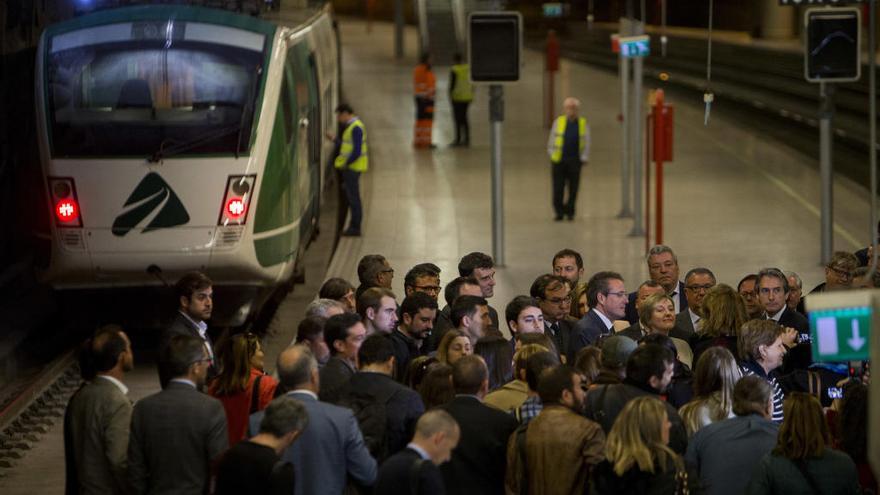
{"type": "Point", "coordinates": [372, 418]}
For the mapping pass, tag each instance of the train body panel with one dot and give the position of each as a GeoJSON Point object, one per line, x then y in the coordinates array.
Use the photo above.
{"type": "Point", "coordinates": [180, 138]}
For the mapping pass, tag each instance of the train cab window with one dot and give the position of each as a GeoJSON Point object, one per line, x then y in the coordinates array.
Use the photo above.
{"type": "Point", "coordinates": [125, 92]}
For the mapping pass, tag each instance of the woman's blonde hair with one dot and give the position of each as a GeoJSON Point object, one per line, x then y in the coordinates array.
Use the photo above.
{"type": "Point", "coordinates": [646, 309]}
{"type": "Point", "coordinates": [714, 378]}
{"type": "Point", "coordinates": [724, 312]}
{"type": "Point", "coordinates": [445, 342]}
{"type": "Point", "coordinates": [235, 356]}
{"type": "Point", "coordinates": [635, 438]}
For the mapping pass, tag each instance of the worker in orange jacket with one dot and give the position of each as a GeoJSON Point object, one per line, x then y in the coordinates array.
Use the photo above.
{"type": "Point", "coordinates": [424, 84]}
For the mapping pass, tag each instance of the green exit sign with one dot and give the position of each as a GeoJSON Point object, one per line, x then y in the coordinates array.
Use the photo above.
{"type": "Point", "coordinates": [841, 334]}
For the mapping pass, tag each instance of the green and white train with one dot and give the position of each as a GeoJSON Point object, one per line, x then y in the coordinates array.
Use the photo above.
{"type": "Point", "coordinates": [177, 138]}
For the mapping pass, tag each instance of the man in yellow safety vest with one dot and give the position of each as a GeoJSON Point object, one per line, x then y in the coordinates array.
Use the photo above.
{"type": "Point", "coordinates": [351, 162]}
{"type": "Point", "coordinates": [461, 94]}
{"type": "Point", "coordinates": [569, 149]}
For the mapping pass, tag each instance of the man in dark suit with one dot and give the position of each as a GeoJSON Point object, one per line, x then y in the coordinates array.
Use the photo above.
{"type": "Point", "coordinates": [413, 470]}
{"type": "Point", "coordinates": [461, 286]}
{"type": "Point", "coordinates": [698, 281]}
{"type": "Point", "coordinates": [98, 418]}
{"type": "Point", "coordinates": [417, 314]}
{"type": "Point", "coordinates": [478, 464]}
{"type": "Point", "coordinates": [663, 269]}
{"type": "Point", "coordinates": [179, 432]}
{"type": "Point", "coordinates": [606, 297]}
{"type": "Point", "coordinates": [374, 383]}
{"type": "Point", "coordinates": [195, 297]}
{"type": "Point", "coordinates": [553, 294]}
{"type": "Point", "coordinates": [344, 335]}
{"type": "Point", "coordinates": [772, 288]}
{"type": "Point", "coordinates": [331, 447]}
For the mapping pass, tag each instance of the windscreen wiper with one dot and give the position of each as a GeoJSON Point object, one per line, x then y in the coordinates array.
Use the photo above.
{"type": "Point", "coordinates": [179, 147]}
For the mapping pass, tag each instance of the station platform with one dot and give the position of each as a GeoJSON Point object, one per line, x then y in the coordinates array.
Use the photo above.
{"type": "Point", "coordinates": [737, 201]}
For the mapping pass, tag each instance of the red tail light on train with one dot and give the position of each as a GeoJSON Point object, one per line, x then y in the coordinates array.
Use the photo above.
{"type": "Point", "coordinates": [234, 209]}
{"type": "Point", "coordinates": [66, 206]}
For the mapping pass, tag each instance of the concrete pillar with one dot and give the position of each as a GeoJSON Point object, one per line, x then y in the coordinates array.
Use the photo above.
{"type": "Point", "coordinates": [776, 22]}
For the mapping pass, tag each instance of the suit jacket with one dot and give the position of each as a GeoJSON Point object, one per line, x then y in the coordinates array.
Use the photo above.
{"type": "Point", "coordinates": [334, 376]}
{"type": "Point", "coordinates": [632, 312]}
{"type": "Point", "coordinates": [441, 325]}
{"type": "Point", "coordinates": [396, 476]}
{"type": "Point", "coordinates": [175, 435]}
{"type": "Point", "coordinates": [633, 331]}
{"type": "Point", "coordinates": [402, 409]}
{"type": "Point", "coordinates": [405, 350]}
{"type": "Point", "coordinates": [562, 338]}
{"type": "Point", "coordinates": [478, 463]}
{"type": "Point", "coordinates": [684, 326]}
{"type": "Point", "coordinates": [587, 331]}
{"type": "Point", "coordinates": [98, 429]}
{"type": "Point", "coordinates": [330, 447]}
{"type": "Point", "coordinates": [181, 325]}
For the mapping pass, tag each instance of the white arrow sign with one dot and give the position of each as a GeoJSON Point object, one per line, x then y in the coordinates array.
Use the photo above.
{"type": "Point", "coordinates": [856, 341]}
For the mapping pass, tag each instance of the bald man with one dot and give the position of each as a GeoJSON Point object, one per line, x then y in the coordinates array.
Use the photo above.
{"type": "Point", "coordinates": [569, 149]}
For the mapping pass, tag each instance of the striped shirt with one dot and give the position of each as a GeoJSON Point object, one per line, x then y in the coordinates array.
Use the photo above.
{"type": "Point", "coordinates": [752, 368]}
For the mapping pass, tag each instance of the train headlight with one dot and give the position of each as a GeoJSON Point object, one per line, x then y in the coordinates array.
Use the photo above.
{"type": "Point", "coordinates": [234, 209]}
{"type": "Point", "coordinates": [64, 201]}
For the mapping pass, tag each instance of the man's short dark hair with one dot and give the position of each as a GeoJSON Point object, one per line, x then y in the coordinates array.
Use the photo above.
{"type": "Point", "coordinates": [415, 302]}
{"type": "Point", "coordinates": [337, 328]}
{"type": "Point", "coordinates": [376, 349]}
{"type": "Point", "coordinates": [648, 360]}
{"type": "Point", "coordinates": [662, 340]}
{"type": "Point", "coordinates": [107, 345]}
{"type": "Point", "coordinates": [284, 415]}
{"type": "Point", "coordinates": [536, 364]}
{"type": "Point", "coordinates": [750, 277]}
{"type": "Point", "coordinates": [465, 306]}
{"type": "Point", "coordinates": [570, 253]}
{"type": "Point", "coordinates": [474, 260]}
{"type": "Point", "coordinates": [335, 288]}
{"type": "Point", "coordinates": [861, 271]}
{"type": "Point", "coordinates": [372, 298]}
{"type": "Point", "coordinates": [453, 289]}
{"type": "Point", "coordinates": [419, 271]}
{"type": "Point", "coordinates": [369, 268]}
{"type": "Point", "coordinates": [553, 382]}
{"type": "Point", "coordinates": [468, 374]}
{"type": "Point", "coordinates": [344, 107]}
{"type": "Point", "coordinates": [599, 284]}
{"type": "Point", "coordinates": [181, 352]}
{"type": "Point", "coordinates": [751, 395]}
{"type": "Point", "coordinates": [700, 270]}
{"type": "Point", "coordinates": [772, 272]}
{"type": "Point", "coordinates": [516, 306]}
{"type": "Point", "coordinates": [191, 282]}
{"type": "Point", "coordinates": [310, 328]}
{"type": "Point", "coordinates": [546, 282]}
{"type": "Point", "coordinates": [299, 371]}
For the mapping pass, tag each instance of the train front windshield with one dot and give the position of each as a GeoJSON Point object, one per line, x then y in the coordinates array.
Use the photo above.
{"type": "Point", "coordinates": [153, 89]}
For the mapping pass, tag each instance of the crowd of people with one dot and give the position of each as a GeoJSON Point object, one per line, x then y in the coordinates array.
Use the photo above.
{"type": "Point", "coordinates": [681, 386]}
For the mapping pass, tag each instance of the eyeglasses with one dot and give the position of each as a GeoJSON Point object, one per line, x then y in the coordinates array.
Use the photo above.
{"type": "Point", "coordinates": [845, 274]}
{"type": "Point", "coordinates": [208, 360]}
{"type": "Point", "coordinates": [559, 301]}
{"type": "Point", "coordinates": [426, 288]}
{"type": "Point", "coordinates": [387, 270]}
{"type": "Point", "coordinates": [698, 288]}
{"type": "Point", "coordinates": [618, 294]}
{"type": "Point", "coordinates": [748, 295]}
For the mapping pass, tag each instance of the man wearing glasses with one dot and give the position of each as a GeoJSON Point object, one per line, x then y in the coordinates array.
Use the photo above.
{"type": "Point", "coordinates": [158, 461]}
{"type": "Point", "coordinates": [697, 283]}
{"type": "Point", "coordinates": [838, 272]}
{"type": "Point", "coordinates": [553, 294]}
{"type": "Point", "coordinates": [424, 277]}
{"type": "Point", "coordinates": [746, 289]}
{"type": "Point", "coordinates": [772, 288]}
{"type": "Point", "coordinates": [607, 299]}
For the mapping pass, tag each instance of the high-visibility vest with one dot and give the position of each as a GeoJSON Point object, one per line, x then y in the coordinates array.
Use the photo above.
{"type": "Point", "coordinates": [424, 82]}
{"type": "Point", "coordinates": [462, 91]}
{"type": "Point", "coordinates": [559, 126]}
{"type": "Point", "coordinates": [347, 147]}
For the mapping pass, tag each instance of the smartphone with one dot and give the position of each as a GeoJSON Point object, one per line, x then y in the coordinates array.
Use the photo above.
{"type": "Point", "coordinates": [835, 393]}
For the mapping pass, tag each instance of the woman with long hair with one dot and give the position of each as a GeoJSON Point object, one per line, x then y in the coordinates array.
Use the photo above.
{"type": "Point", "coordinates": [637, 457]}
{"type": "Point", "coordinates": [242, 386]}
{"type": "Point", "coordinates": [803, 460]}
{"type": "Point", "coordinates": [714, 378]}
{"type": "Point", "coordinates": [498, 354]}
{"type": "Point", "coordinates": [453, 346]}
{"type": "Point", "coordinates": [724, 313]}
{"type": "Point", "coordinates": [436, 388]}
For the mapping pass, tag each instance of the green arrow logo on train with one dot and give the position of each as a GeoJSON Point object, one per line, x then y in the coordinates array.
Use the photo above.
{"type": "Point", "coordinates": [153, 196]}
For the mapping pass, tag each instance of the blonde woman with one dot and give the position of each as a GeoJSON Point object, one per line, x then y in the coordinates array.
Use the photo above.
{"type": "Point", "coordinates": [657, 315]}
{"type": "Point", "coordinates": [724, 312]}
{"type": "Point", "coordinates": [453, 346]}
{"type": "Point", "coordinates": [714, 378]}
{"type": "Point", "coordinates": [637, 458]}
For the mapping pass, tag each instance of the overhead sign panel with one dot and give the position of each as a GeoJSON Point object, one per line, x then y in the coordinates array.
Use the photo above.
{"type": "Point", "coordinates": [831, 45]}
{"type": "Point", "coordinates": [635, 46]}
{"type": "Point", "coordinates": [840, 325]}
{"type": "Point", "coordinates": [494, 46]}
